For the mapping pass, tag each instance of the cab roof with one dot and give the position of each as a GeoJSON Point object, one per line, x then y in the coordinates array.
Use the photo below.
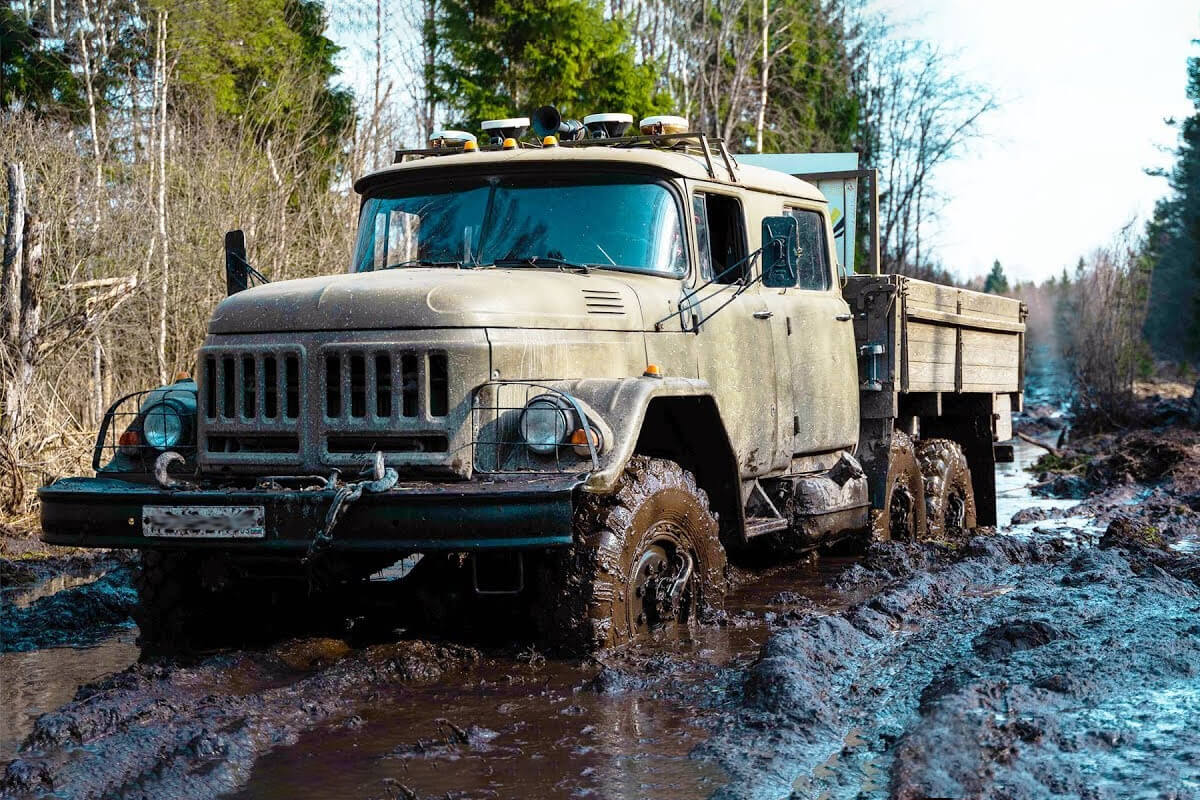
{"type": "Point", "coordinates": [678, 162]}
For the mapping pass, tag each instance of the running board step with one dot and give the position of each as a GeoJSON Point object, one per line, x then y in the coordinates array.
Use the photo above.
{"type": "Point", "coordinates": [758, 526]}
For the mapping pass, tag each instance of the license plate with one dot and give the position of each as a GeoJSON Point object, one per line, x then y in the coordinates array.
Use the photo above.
{"type": "Point", "coordinates": [204, 522]}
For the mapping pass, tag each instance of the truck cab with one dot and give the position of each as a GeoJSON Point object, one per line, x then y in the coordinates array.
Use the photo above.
{"type": "Point", "coordinates": [576, 373]}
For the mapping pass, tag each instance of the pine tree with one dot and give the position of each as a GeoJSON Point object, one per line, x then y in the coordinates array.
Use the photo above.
{"type": "Point", "coordinates": [233, 55]}
{"type": "Point", "coordinates": [996, 282]}
{"type": "Point", "coordinates": [1173, 244]}
{"type": "Point", "coordinates": [504, 58]}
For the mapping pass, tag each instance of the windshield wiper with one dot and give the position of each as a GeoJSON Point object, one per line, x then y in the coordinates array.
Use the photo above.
{"type": "Point", "coordinates": [541, 261]}
{"type": "Point", "coordinates": [424, 262]}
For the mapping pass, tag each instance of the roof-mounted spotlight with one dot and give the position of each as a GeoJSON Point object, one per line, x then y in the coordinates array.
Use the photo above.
{"type": "Point", "coordinates": [447, 139]}
{"type": "Point", "coordinates": [548, 122]}
{"type": "Point", "coordinates": [607, 126]}
{"type": "Point", "coordinates": [498, 130]}
{"type": "Point", "coordinates": [663, 124]}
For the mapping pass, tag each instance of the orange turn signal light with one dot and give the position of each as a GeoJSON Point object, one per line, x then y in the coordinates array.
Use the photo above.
{"type": "Point", "coordinates": [652, 371]}
{"type": "Point", "coordinates": [579, 441]}
{"type": "Point", "coordinates": [510, 144]}
{"type": "Point", "coordinates": [469, 146]}
{"type": "Point", "coordinates": [549, 141]}
{"type": "Point", "coordinates": [129, 439]}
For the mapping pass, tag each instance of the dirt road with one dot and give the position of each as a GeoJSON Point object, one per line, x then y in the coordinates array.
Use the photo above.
{"type": "Point", "coordinates": [1036, 662]}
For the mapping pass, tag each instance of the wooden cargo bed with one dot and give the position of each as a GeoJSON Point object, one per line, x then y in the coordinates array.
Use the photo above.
{"type": "Point", "coordinates": [917, 337]}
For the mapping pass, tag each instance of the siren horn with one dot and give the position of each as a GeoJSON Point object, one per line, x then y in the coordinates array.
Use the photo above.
{"type": "Point", "coordinates": [548, 122]}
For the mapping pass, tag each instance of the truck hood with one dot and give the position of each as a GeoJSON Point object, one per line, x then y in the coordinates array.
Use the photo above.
{"type": "Point", "coordinates": [434, 298]}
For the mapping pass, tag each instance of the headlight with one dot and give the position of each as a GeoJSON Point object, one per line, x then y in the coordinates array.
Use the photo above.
{"type": "Point", "coordinates": [545, 423]}
{"type": "Point", "coordinates": [162, 426]}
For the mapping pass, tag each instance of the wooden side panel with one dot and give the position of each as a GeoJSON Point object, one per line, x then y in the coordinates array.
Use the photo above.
{"type": "Point", "coordinates": [922, 294]}
{"type": "Point", "coordinates": [991, 362]}
{"type": "Point", "coordinates": [931, 357]}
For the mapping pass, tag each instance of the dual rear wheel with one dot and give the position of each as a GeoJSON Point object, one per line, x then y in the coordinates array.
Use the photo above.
{"type": "Point", "coordinates": [929, 494]}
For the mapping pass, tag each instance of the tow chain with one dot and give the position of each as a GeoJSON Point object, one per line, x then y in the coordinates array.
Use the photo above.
{"type": "Point", "coordinates": [344, 496]}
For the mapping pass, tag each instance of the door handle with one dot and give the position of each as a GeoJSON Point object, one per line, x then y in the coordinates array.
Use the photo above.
{"type": "Point", "coordinates": [843, 317]}
{"type": "Point", "coordinates": [763, 314]}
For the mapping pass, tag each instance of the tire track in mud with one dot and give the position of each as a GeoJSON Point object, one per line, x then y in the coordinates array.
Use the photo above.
{"type": "Point", "coordinates": [1021, 669]}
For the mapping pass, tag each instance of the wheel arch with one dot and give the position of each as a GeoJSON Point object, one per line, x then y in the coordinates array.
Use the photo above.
{"type": "Point", "coordinates": [688, 430]}
{"type": "Point", "coordinates": [674, 418]}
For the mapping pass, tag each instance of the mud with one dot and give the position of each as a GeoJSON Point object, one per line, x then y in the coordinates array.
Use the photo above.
{"type": "Point", "coordinates": [158, 730]}
{"type": "Point", "coordinates": [1057, 656]}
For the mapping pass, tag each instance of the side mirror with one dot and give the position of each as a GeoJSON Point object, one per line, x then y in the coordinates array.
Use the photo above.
{"type": "Point", "coordinates": [237, 276]}
{"type": "Point", "coordinates": [780, 251]}
{"type": "Point", "coordinates": [238, 271]}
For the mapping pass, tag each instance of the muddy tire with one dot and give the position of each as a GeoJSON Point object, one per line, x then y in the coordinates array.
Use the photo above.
{"type": "Point", "coordinates": [949, 497]}
{"type": "Point", "coordinates": [646, 557]}
{"type": "Point", "coordinates": [902, 516]}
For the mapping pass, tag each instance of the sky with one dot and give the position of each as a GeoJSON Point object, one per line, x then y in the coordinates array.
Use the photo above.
{"type": "Point", "coordinates": [1084, 87]}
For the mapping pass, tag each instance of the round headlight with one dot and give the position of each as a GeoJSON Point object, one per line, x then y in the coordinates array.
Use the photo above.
{"type": "Point", "coordinates": [545, 423]}
{"type": "Point", "coordinates": [162, 426]}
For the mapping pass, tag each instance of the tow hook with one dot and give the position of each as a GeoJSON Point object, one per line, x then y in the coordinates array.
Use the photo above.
{"type": "Point", "coordinates": [382, 479]}
{"type": "Point", "coordinates": [161, 465]}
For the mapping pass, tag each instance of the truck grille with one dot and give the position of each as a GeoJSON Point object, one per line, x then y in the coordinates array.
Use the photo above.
{"type": "Point", "coordinates": [252, 385]}
{"type": "Point", "coordinates": [361, 383]}
{"type": "Point", "coordinates": [311, 404]}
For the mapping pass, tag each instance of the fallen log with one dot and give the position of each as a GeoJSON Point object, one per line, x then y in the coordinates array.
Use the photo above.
{"type": "Point", "coordinates": [1051, 449]}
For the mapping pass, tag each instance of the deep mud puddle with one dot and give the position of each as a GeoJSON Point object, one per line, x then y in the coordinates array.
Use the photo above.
{"type": "Point", "coordinates": [35, 681]}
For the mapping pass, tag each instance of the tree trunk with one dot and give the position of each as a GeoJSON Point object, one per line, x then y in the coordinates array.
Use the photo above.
{"type": "Point", "coordinates": [21, 280]}
{"type": "Point", "coordinates": [14, 238]}
{"type": "Point", "coordinates": [762, 87]}
{"type": "Point", "coordinates": [162, 197]}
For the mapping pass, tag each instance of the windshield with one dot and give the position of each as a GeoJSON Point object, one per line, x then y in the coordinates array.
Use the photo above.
{"type": "Point", "coordinates": [623, 222]}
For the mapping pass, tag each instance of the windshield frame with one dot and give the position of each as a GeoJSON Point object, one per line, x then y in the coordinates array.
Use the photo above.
{"type": "Point", "coordinates": [416, 181]}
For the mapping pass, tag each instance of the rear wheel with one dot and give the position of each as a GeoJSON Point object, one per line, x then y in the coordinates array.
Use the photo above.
{"type": "Point", "coordinates": [902, 516]}
{"type": "Point", "coordinates": [949, 497]}
{"type": "Point", "coordinates": [644, 558]}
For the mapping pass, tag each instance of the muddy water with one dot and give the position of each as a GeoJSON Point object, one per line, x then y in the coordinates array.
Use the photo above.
{"type": "Point", "coordinates": [37, 681]}
{"type": "Point", "coordinates": [1012, 485]}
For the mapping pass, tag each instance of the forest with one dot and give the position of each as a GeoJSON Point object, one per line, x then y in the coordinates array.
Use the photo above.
{"type": "Point", "coordinates": [134, 134]}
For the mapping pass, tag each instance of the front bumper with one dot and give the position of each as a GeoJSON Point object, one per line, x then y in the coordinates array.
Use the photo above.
{"type": "Point", "coordinates": [413, 517]}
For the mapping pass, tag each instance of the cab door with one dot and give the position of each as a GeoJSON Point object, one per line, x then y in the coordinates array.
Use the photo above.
{"type": "Point", "coordinates": [820, 344]}
{"type": "Point", "coordinates": [734, 322]}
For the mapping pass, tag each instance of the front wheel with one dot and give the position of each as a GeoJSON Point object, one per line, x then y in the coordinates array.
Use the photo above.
{"type": "Point", "coordinates": [646, 557]}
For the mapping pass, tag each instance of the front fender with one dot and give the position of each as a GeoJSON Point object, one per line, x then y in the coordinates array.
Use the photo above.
{"type": "Point", "coordinates": [621, 404]}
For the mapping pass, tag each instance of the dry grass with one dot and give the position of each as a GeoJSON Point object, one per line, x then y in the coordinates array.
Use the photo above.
{"type": "Point", "coordinates": [219, 175]}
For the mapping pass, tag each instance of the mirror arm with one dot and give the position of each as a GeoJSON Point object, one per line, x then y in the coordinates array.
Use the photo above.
{"type": "Point", "coordinates": [251, 271]}
{"type": "Point", "coordinates": [717, 310]}
{"type": "Point", "coordinates": [689, 296]}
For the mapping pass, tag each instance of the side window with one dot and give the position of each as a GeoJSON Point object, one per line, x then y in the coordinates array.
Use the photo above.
{"type": "Point", "coordinates": [700, 213]}
{"type": "Point", "coordinates": [813, 269]}
{"type": "Point", "coordinates": [720, 238]}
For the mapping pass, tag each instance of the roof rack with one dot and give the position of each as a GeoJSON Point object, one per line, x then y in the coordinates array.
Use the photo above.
{"type": "Point", "coordinates": [690, 142]}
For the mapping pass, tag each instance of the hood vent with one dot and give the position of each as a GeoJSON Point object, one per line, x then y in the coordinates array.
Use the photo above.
{"type": "Point", "coordinates": [603, 301]}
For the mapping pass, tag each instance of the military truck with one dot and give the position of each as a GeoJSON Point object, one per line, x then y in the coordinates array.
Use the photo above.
{"type": "Point", "coordinates": [573, 374]}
